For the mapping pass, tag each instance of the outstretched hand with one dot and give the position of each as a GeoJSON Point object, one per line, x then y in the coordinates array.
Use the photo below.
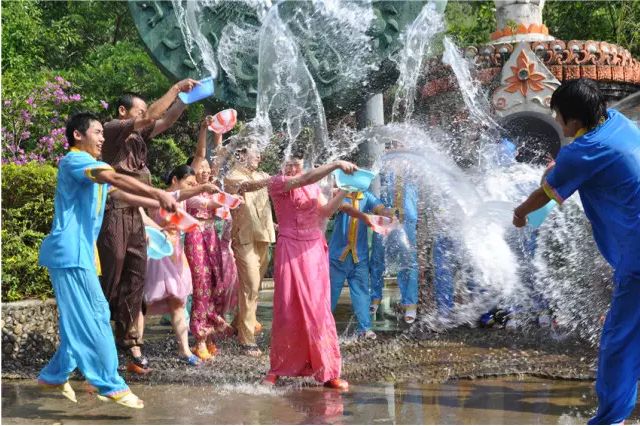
{"type": "Point", "coordinates": [186, 85]}
{"type": "Point", "coordinates": [518, 221]}
{"type": "Point", "coordinates": [346, 166]}
{"type": "Point", "coordinates": [210, 188]}
{"type": "Point", "coordinates": [166, 200]}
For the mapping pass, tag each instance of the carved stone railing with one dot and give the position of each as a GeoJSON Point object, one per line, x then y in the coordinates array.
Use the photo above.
{"type": "Point", "coordinates": [600, 61]}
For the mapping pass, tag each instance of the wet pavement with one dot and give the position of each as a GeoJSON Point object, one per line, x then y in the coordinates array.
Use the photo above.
{"type": "Point", "coordinates": [394, 379]}
{"type": "Point", "coordinates": [486, 401]}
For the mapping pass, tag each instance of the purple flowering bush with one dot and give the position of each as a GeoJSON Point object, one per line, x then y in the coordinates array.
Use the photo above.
{"type": "Point", "coordinates": [33, 128]}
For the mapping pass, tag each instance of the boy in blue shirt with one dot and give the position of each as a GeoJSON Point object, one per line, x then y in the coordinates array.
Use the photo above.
{"type": "Point", "coordinates": [603, 165]}
{"type": "Point", "coordinates": [70, 254]}
{"type": "Point", "coordinates": [349, 254]}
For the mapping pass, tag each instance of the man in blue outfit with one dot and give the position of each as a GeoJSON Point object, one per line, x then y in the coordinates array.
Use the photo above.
{"type": "Point", "coordinates": [603, 165]}
{"type": "Point", "coordinates": [400, 192]}
{"type": "Point", "coordinates": [71, 256]}
{"type": "Point", "coordinates": [349, 254]}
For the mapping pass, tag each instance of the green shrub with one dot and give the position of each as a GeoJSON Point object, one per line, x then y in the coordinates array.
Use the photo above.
{"type": "Point", "coordinates": [163, 156]}
{"type": "Point", "coordinates": [22, 278]}
{"type": "Point", "coordinates": [27, 213]}
{"type": "Point", "coordinates": [22, 184]}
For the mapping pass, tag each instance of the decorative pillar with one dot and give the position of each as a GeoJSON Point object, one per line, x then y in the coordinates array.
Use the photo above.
{"type": "Point", "coordinates": [519, 20]}
{"type": "Point", "coordinates": [371, 115]}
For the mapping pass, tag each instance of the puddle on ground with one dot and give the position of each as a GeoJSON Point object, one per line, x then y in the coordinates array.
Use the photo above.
{"type": "Point", "coordinates": [486, 401]}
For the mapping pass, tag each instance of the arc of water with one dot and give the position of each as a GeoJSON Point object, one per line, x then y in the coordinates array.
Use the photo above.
{"type": "Point", "coordinates": [470, 88]}
{"type": "Point", "coordinates": [287, 93]}
{"type": "Point", "coordinates": [418, 43]}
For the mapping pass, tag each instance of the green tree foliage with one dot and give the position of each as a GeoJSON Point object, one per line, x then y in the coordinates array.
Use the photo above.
{"type": "Point", "coordinates": [613, 21]}
{"type": "Point", "coordinates": [470, 22]}
{"type": "Point", "coordinates": [164, 156]}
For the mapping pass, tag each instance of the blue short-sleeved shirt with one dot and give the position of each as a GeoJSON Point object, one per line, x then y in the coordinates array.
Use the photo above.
{"type": "Point", "coordinates": [350, 234]}
{"type": "Point", "coordinates": [603, 165]}
{"type": "Point", "coordinates": [79, 209]}
{"type": "Point", "coordinates": [400, 192]}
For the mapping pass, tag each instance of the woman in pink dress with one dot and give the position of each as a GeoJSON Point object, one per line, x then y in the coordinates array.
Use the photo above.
{"type": "Point", "coordinates": [168, 280]}
{"type": "Point", "coordinates": [304, 341]}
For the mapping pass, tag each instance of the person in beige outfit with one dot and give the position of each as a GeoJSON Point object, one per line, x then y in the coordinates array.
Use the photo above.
{"type": "Point", "coordinates": [252, 233]}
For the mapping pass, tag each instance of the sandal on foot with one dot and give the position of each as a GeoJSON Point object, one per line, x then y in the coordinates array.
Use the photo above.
{"type": "Point", "coordinates": [191, 360]}
{"type": "Point", "coordinates": [212, 349]}
{"type": "Point", "coordinates": [204, 354]}
{"type": "Point", "coordinates": [270, 379]}
{"type": "Point", "coordinates": [373, 308]}
{"type": "Point", "coordinates": [138, 365]}
{"type": "Point", "coordinates": [63, 389]}
{"type": "Point", "coordinates": [127, 399]}
{"type": "Point", "coordinates": [410, 316]}
{"type": "Point", "coordinates": [258, 329]}
{"type": "Point", "coordinates": [337, 384]}
{"type": "Point", "coordinates": [251, 350]}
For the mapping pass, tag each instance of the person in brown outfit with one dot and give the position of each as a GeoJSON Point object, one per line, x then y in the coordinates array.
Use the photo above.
{"type": "Point", "coordinates": [252, 233]}
{"type": "Point", "coordinates": [122, 241]}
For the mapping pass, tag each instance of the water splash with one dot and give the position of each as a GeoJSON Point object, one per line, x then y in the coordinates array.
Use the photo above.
{"type": "Point", "coordinates": [189, 22]}
{"type": "Point", "coordinates": [288, 98]}
{"type": "Point", "coordinates": [417, 45]}
{"type": "Point", "coordinates": [467, 210]}
{"type": "Point", "coordinates": [470, 89]}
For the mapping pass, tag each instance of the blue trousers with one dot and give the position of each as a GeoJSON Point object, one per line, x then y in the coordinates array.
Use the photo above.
{"type": "Point", "coordinates": [86, 338]}
{"type": "Point", "coordinates": [406, 256]}
{"type": "Point", "coordinates": [445, 262]}
{"type": "Point", "coordinates": [357, 275]}
{"type": "Point", "coordinates": [376, 267]}
{"type": "Point", "coordinates": [619, 357]}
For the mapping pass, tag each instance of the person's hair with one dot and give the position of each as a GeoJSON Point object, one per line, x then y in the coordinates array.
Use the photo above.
{"type": "Point", "coordinates": [80, 121]}
{"type": "Point", "coordinates": [297, 152]}
{"type": "Point", "coordinates": [180, 172]}
{"type": "Point", "coordinates": [126, 100]}
{"type": "Point", "coordinates": [580, 100]}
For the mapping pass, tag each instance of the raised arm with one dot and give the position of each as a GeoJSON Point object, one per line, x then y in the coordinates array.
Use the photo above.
{"type": "Point", "coordinates": [169, 118]}
{"type": "Point", "coordinates": [157, 110]}
{"type": "Point", "coordinates": [314, 175]}
{"type": "Point", "coordinates": [200, 153]}
{"type": "Point", "coordinates": [251, 185]}
{"type": "Point", "coordinates": [195, 190]}
{"type": "Point", "coordinates": [135, 187]}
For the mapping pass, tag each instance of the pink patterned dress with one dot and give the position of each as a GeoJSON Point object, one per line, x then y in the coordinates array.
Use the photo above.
{"type": "Point", "coordinates": [203, 251]}
{"type": "Point", "coordinates": [227, 290]}
{"type": "Point", "coordinates": [169, 277]}
{"type": "Point", "coordinates": [304, 340]}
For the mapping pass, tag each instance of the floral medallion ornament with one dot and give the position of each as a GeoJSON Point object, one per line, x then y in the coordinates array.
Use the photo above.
{"type": "Point", "coordinates": [525, 83]}
{"type": "Point", "coordinates": [525, 77]}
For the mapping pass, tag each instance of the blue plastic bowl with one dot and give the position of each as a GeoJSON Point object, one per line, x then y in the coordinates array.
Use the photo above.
{"type": "Point", "coordinates": [199, 92]}
{"type": "Point", "coordinates": [159, 245]}
{"type": "Point", "coordinates": [536, 217]}
{"type": "Point", "coordinates": [360, 180]}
